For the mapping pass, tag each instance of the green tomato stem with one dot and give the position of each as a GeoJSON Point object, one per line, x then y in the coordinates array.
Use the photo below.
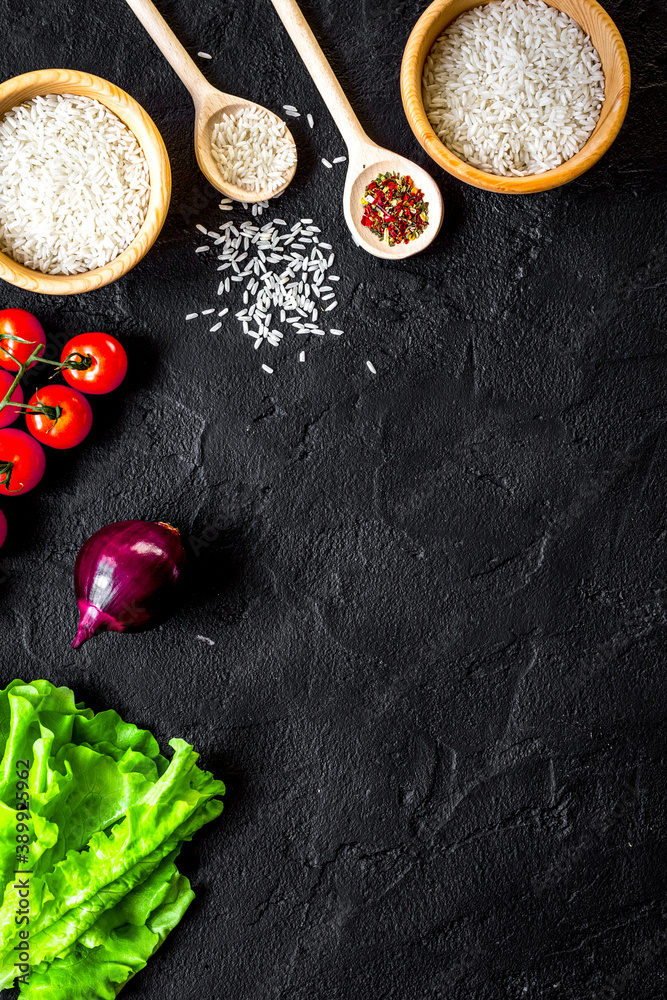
{"type": "Point", "coordinates": [69, 362]}
{"type": "Point", "coordinates": [52, 412]}
{"type": "Point", "coordinates": [80, 366]}
{"type": "Point", "coordinates": [6, 469]}
{"type": "Point", "coordinates": [23, 367]}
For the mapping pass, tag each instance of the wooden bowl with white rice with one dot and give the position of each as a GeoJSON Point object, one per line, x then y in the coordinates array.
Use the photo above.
{"type": "Point", "coordinates": [515, 96]}
{"type": "Point", "coordinates": [85, 182]}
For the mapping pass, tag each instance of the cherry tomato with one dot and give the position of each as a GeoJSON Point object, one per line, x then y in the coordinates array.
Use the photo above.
{"type": "Point", "coordinates": [108, 365]}
{"type": "Point", "coordinates": [10, 413]}
{"type": "Point", "coordinates": [3, 529]}
{"type": "Point", "coordinates": [18, 323]}
{"type": "Point", "coordinates": [67, 429]}
{"type": "Point", "coordinates": [22, 462]}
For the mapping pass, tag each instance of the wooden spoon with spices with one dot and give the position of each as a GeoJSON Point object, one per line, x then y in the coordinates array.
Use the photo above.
{"type": "Point", "coordinates": [366, 158]}
{"type": "Point", "coordinates": [210, 105]}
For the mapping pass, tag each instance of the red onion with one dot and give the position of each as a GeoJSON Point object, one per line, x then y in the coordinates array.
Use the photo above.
{"type": "Point", "coordinates": [124, 575]}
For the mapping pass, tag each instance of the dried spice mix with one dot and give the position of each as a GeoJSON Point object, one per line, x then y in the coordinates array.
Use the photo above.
{"type": "Point", "coordinates": [394, 209]}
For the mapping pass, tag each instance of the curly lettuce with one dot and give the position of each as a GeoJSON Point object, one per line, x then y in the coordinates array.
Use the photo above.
{"type": "Point", "coordinates": [107, 816]}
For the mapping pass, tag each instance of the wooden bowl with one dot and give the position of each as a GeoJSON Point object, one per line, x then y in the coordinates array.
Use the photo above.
{"type": "Point", "coordinates": [615, 63]}
{"type": "Point", "coordinates": [67, 81]}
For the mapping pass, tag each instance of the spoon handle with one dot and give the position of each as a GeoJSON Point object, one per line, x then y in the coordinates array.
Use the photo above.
{"type": "Point", "coordinates": [171, 48]}
{"type": "Point", "coordinates": [323, 76]}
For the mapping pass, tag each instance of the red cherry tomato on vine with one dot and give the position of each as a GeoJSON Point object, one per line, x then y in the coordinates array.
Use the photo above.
{"type": "Point", "coordinates": [67, 429]}
{"type": "Point", "coordinates": [18, 323]}
{"type": "Point", "coordinates": [108, 362]}
{"type": "Point", "coordinates": [22, 462]}
{"type": "Point", "coordinates": [3, 529]}
{"type": "Point", "coordinates": [10, 413]}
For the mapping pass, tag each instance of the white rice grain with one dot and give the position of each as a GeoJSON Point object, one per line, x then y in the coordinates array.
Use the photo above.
{"type": "Point", "coordinates": [253, 149]}
{"type": "Point", "coordinates": [513, 87]}
{"type": "Point", "coordinates": [74, 184]}
{"type": "Point", "coordinates": [280, 280]}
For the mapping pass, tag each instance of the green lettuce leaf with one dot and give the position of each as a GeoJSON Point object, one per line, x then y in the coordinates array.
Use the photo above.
{"type": "Point", "coordinates": [108, 815]}
{"type": "Point", "coordinates": [119, 944]}
{"type": "Point", "coordinates": [61, 933]}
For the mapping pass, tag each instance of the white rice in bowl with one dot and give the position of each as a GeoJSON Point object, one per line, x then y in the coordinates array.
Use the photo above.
{"type": "Point", "coordinates": [513, 87]}
{"type": "Point", "coordinates": [74, 184]}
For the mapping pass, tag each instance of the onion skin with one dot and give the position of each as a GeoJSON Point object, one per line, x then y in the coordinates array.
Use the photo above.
{"type": "Point", "coordinates": [125, 575]}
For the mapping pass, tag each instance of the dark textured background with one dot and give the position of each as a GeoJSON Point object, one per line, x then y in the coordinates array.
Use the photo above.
{"type": "Point", "coordinates": [436, 691]}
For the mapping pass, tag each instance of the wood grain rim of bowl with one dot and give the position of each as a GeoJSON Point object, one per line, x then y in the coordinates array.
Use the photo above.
{"type": "Point", "coordinates": [67, 81]}
{"type": "Point", "coordinates": [606, 38]}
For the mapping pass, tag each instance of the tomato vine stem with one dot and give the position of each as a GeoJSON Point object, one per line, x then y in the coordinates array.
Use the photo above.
{"type": "Point", "coordinates": [52, 412]}
{"type": "Point", "coordinates": [6, 469]}
{"type": "Point", "coordinates": [84, 362]}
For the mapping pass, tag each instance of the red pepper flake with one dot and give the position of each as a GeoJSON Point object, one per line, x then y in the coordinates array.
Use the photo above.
{"type": "Point", "coordinates": [394, 209]}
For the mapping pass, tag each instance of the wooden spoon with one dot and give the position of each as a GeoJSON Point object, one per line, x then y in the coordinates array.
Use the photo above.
{"type": "Point", "coordinates": [366, 158]}
{"type": "Point", "coordinates": [210, 104]}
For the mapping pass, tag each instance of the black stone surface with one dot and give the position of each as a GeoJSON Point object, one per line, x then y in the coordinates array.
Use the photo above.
{"type": "Point", "coordinates": [436, 688]}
